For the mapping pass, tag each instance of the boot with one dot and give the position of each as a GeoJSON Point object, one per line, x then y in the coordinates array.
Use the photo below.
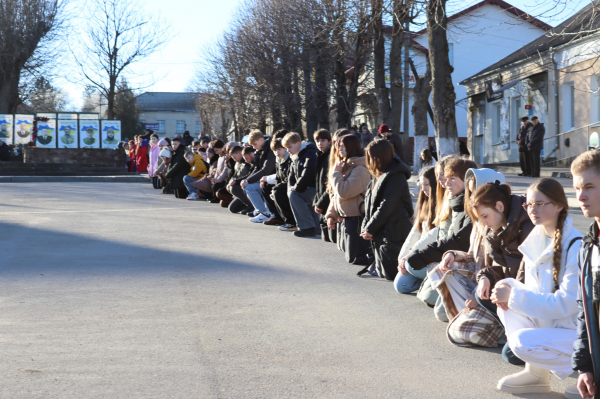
{"type": "Point", "coordinates": [531, 380]}
{"type": "Point", "coordinates": [572, 393]}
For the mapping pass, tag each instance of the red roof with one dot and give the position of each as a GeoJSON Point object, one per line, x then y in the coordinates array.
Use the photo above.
{"type": "Point", "coordinates": [505, 6]}
{"type": "Point", "coordinates": [413, 43]}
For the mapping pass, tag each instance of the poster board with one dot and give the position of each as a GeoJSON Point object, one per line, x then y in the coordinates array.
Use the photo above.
{"type": "Point", "coordinates": [23, 128]}
{"type": "Point", "coordinates": [46, 134]}
{"type": "Point", "coordinates": [48, 115]}
{"type": "Point", "coordinates": [67, 133]}
{"type": "Point", "coordinates": [6, 128]}
{"type": "Point", "coordinates": [89, 116]}
{"type": "Point", "coordinates": [89, 134]}
{"type": "Point", "coordinates": [111, 134]}
{"type": "Point", "coordinates": [67, 116]}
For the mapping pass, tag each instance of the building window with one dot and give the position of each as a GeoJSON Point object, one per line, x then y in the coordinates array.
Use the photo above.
{"type": "Point", "coordinates": [497, 122]}
{"type": "Point", "coordinates": [572, 97]}
{"type": "Point", "coordinates": [161, 126]}
{"type": "Point", "coordinates": [198, 127]}
{"type": "Point", "coordinates": [518, 115]}
{"type": "Point", "coordinates": [180, 126]}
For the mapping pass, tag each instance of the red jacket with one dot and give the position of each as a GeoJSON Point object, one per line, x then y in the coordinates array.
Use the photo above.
{"type": "Point", "coordinates": [141, 157]}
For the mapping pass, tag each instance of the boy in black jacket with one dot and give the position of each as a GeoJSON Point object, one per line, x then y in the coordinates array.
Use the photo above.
{"type": "Point", "coordinates": [321, 201]}
{"type": "Point", "coordinates": [279, 181]}
{"type": "Point", "coordinates": [301, 183]}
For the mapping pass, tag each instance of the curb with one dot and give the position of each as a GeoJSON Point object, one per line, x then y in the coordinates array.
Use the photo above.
{"type": "Point", "coordinates": [73, 179]}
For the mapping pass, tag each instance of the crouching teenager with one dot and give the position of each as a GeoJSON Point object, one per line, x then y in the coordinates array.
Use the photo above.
{"type": "Point", "coordinates": [388, 208]}
{"type": "Point", "coordinates": [540, 315]}
{"type": "Point", "coordinates": [301, 184]}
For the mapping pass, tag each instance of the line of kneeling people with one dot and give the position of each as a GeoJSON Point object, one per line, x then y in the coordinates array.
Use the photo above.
{"type": "Point", "coordinates": [500, 268]}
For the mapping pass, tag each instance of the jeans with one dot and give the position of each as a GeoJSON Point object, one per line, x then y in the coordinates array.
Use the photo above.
{"type": "Point", "coordinates": [405, 284]}
{"type": "Point", "coordinates": [256, 196]}
{"type": "Point", "coordinates": [187, 181]}
{"type": "Point", "coordinates": [304, 213]}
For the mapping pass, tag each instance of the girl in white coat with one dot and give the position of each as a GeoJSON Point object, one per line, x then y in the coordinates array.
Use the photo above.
{"type": "Point", "coordinates": [540, 316]}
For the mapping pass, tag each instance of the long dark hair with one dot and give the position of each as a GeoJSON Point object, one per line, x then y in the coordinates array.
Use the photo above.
{"type": "Point", "coordinates": [353, 146]}
{"type": "Point", "coordinates": [380, 154]}
{"type": "Point", "coordinates": [488, 195]}
{"type": "Point", "coordinates": [425, 204]}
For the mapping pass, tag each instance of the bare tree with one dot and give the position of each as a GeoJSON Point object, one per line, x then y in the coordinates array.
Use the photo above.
{"type": "Point", "coordinates": [42, 96]}
{"type": "Point", "coordinates": [117, 35]}
{"type": "Point", "coordinates": [24, 26]}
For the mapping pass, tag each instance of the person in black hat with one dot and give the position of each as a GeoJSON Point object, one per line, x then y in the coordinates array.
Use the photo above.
{"type": "Point", "coordinates": [522, 142]}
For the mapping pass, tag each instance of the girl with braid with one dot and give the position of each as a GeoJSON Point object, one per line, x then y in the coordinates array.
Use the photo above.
{"type": "Point", "coordinates": [540, 315]}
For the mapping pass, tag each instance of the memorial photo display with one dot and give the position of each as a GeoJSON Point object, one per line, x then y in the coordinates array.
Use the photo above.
{"type": "Point", "coordinates": [89, 134]}
{"type": "Point", "coordinates": [23, 128]}
{"type": "Point", "coordinates": [67, 133]}
{"type": "Point", "coordinates": [6, 128]}
{"type": "Point", "coordinates": [46, 134]}
{"type": "Point", "coordinates": [111, 134]}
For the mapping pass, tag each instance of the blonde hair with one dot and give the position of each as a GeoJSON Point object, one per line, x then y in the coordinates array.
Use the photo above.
{"type": "Point", "coordinates": [291, 138]}
{"type": "Point", "coordinates": [585, 161]}
{"type": "Point", "coordinates": [334, 156]}
{"type": "Point", "coordinates": [254, 135]}
{"type": "Point", "coordinates": [442, 208]}
{"type": "Point", "coordinates": [556, 194]}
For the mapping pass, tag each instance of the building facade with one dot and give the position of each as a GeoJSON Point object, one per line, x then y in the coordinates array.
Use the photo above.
{"type": "Point", "coordinates": [174, 113]}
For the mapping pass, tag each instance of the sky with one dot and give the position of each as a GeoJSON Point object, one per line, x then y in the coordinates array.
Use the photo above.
{"type": "Point", "coordinates": [197, 23]}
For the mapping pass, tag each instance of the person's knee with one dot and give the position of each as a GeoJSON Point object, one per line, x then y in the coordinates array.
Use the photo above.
{"type": "Point", "coordinates": [403, 285]}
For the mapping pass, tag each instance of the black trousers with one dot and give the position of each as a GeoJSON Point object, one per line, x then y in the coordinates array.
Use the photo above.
{"type": "Point", "coordinates": [282, 205]}
{"type": "Point", "coordinates": [238, 193]}
{"type": "Point", "coordinates": [357, 250]}
{"type": "Point", "coordinates": [534, 157]}
{"type": "Point", "coordinates": [327, 234]}
{"type": "Point", "coordinates": [386, 256]}
{"type": "Point", "coordinates": [524, 161]}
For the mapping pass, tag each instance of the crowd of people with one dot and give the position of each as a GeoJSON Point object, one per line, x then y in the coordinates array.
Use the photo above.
{"type": "Point", "coordinates": [499, 268]}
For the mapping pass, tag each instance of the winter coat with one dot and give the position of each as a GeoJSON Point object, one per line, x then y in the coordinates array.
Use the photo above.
{"type": "Point", "coordinates": [264, 163]}
{"type": "Point", "coordinates": [198, 167]}
{"type": "Point", "coordinates": [348, 198]}
{"type": "Point", "coordinates": [186, 140]}
{"type": "Point", "coordinates": [282, 171]}
{"type": "Point", "coordinates": [179, 167]}
{"type": "Point", "coordinates": [536, 137]}
{"type": "Point", "coordinates": [365, 138]}
{"type": "Point", "coordinates": [243, 169]}
{"type": "Point", "coordinates": [322, 197]}
{"type": "Point", "coordinates": [141, 157]}
{"type": "Point", "coordinates": [538, 297]}
{"type": "Point", "coordinates": [388, 204]}
{"type": "Point", "coordinates": [417, 239]}
{"type": "Point", "coordinates": [304, 168]}
{"type": "Point", "coordinates": [132, 159]}
{"type": "Point", "coordinates": [154, 151]}
{"type": "Point", "coordinates": [458, 238]}
{"type": "Point", "coordinates": [588, 332]}
{"type": "Point", "coordinates": [396, 143]}
{"type": "Point", "coordinates": [221, 170]}
{"type": "Point", "coordinates": [503, 246]}
{"type": "Point", "coordinates": [522, 134]}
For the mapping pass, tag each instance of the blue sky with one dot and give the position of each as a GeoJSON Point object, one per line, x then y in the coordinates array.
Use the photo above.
{"type": "Point", "coordinates": [196, 23]}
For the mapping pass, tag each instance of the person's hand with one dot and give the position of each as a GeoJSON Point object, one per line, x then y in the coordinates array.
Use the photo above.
{"type": "Point", "coordinates": [401, 268]}
{"type": "Point", "coordinates": [331, 223]}
{"type": "Point", "coordinates": [471, 302]}
{"type": "Point", "coordinates": [586, 385]}
{"type": "Point", "coordinates": [272, 196]}
{"type": "Point", "coordinates": [244, 184]}
{"type": "Point", "coordinates": [483, 288]}
{"type": "Point", "coordinates": [212, 180]}
{"type": "Point", "coordinates": [231, 182]}
{"type": "Point", "coordinates": [529, 145]}
{"type": "Point", "coordinates": [366, 235]}
{"type": "Point", "coordinates": [340, 166]}
{"type": "Point", "coordinates": [263, 179]}
{"type": "Point", "coordinates": [292, 188]}
{"type": "Point", "coordinates": [500, 295]}
{"type": "Point", "coordinates": [447, 261]}
{"type": "Point", "coordinates": [318, 210]}
{"type": "Point", "coordinates": [263, 184]}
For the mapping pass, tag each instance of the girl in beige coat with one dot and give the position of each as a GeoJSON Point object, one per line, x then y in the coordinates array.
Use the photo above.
{"type": "Point", "coordinates": [349, 182]}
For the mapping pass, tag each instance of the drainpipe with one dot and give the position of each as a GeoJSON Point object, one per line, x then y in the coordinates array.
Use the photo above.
{"type": "Point", "coordinates": [556, 101]}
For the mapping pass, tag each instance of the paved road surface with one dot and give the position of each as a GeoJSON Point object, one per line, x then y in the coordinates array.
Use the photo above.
{"type": "Point", "coordinates": [116, 291]}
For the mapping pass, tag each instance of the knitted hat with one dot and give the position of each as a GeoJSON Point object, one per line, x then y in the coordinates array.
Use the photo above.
{"type": "Point", "coordinates": [384, 129]}
{"type": "Point", "coordinates": [163, 142]}
{"type": "Point", "coordinates": [165, 153]}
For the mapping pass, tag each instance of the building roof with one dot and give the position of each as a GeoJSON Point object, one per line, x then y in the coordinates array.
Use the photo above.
{"type": "Point", "coordinates": [388, 30]}
{"type": "Point", "coordinates": [503, 5]}
{"type": "Point", "coordinates": [584, 23]}
{"type": "Point", "coordinates": [167, 102]}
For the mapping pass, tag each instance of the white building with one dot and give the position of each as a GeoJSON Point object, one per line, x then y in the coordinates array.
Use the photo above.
{"type": "Point", "coordinates": [478, 37]}
{"type": "Point", "coordinates": [173, 112]}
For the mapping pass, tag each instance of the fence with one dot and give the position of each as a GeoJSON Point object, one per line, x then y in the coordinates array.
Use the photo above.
{"type": "Point", "coordinates": [562, 148]}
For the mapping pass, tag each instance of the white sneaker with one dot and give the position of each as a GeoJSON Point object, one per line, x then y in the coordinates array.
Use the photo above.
{"type": "Point", "coordinates": [192, 197]}
{"type": "Point", "coordinates": [260, 218]}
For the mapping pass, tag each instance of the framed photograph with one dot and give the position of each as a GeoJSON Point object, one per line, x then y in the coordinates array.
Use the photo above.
{"type": "Point", "coordinates": [6, 128]}
{"type": "Point", "coordinates": [67, 133]}
{"type": "Point", "coordinates": [89, 134]}
{"type": "Point", "coordinates": [46, 134]}
{"type": "Point", "coordinates": [23, 128]}
{"type": "Point", "coordinates": [111, 134]}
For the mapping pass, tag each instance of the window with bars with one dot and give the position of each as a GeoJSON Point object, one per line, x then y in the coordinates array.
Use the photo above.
{"type": "Point", "coordinates": [161, 126]}
{"type": "Point", "coordinates": [198, 127]}
{"type": "Point", "coordinates": [180, 127]}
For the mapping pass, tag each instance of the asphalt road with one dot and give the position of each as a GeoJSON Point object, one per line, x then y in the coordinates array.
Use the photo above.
{"type": "Point", "coordinates": [116, 291]}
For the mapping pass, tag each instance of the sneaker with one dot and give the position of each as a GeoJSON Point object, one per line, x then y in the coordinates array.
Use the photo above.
{"type": "Point", "coordinates": [274, 222]}
{"type": "Point", "coordinates": [253, 213]}
{"type": "Point", "coordinates": [192, 197]}
{"type": "Point", "coordinates": [288, 227]}
{"type": "Point", "coordinates": [260, 218]}
{"type": "Point", "coordinates": [214, 200]}
{"type": "Point", "coordinates": [305, 233]}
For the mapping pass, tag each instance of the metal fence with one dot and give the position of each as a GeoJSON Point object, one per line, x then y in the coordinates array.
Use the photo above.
{"type": "Point", "coordinates": [566, 146]}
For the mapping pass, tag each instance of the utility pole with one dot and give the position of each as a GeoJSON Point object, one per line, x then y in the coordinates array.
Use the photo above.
{"type": "Point", "coordinates": [405, 86]}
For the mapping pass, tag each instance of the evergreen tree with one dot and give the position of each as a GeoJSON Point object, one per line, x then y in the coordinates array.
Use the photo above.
{"type": "Point", "coordinates": [127, 111]}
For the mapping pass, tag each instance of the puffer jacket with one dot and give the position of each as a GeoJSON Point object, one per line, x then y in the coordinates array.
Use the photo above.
{"type": "Point", "coordinates": [264, 163]}
{"type": "Point", "coordinates": [537, 298]}
{"type": "Point", "coordinates": [282, 172]}
{"type": "Point", "coordinates": [584, 358]}
{"type": "Point", "coordinates": [348, 198]}
{"type": "Point", "coordinates": [304, 168]}
{"type": "Point", "coordinates": [503, 246]}
{"type": "Point", "coordinates": [198, 167]}
{"type": "Point", "coordinates": [322, 196]}
{"type": "Point", "coordinates": [221, 169]}
{"type": "Point", "coordinates": [178, 168]}
{"type": "Point", "coordinates": [242, 170]}
{"type": "Point", "coordinates": [388, 205]}
{"type": "Point", "coordinates": [458, 237]}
